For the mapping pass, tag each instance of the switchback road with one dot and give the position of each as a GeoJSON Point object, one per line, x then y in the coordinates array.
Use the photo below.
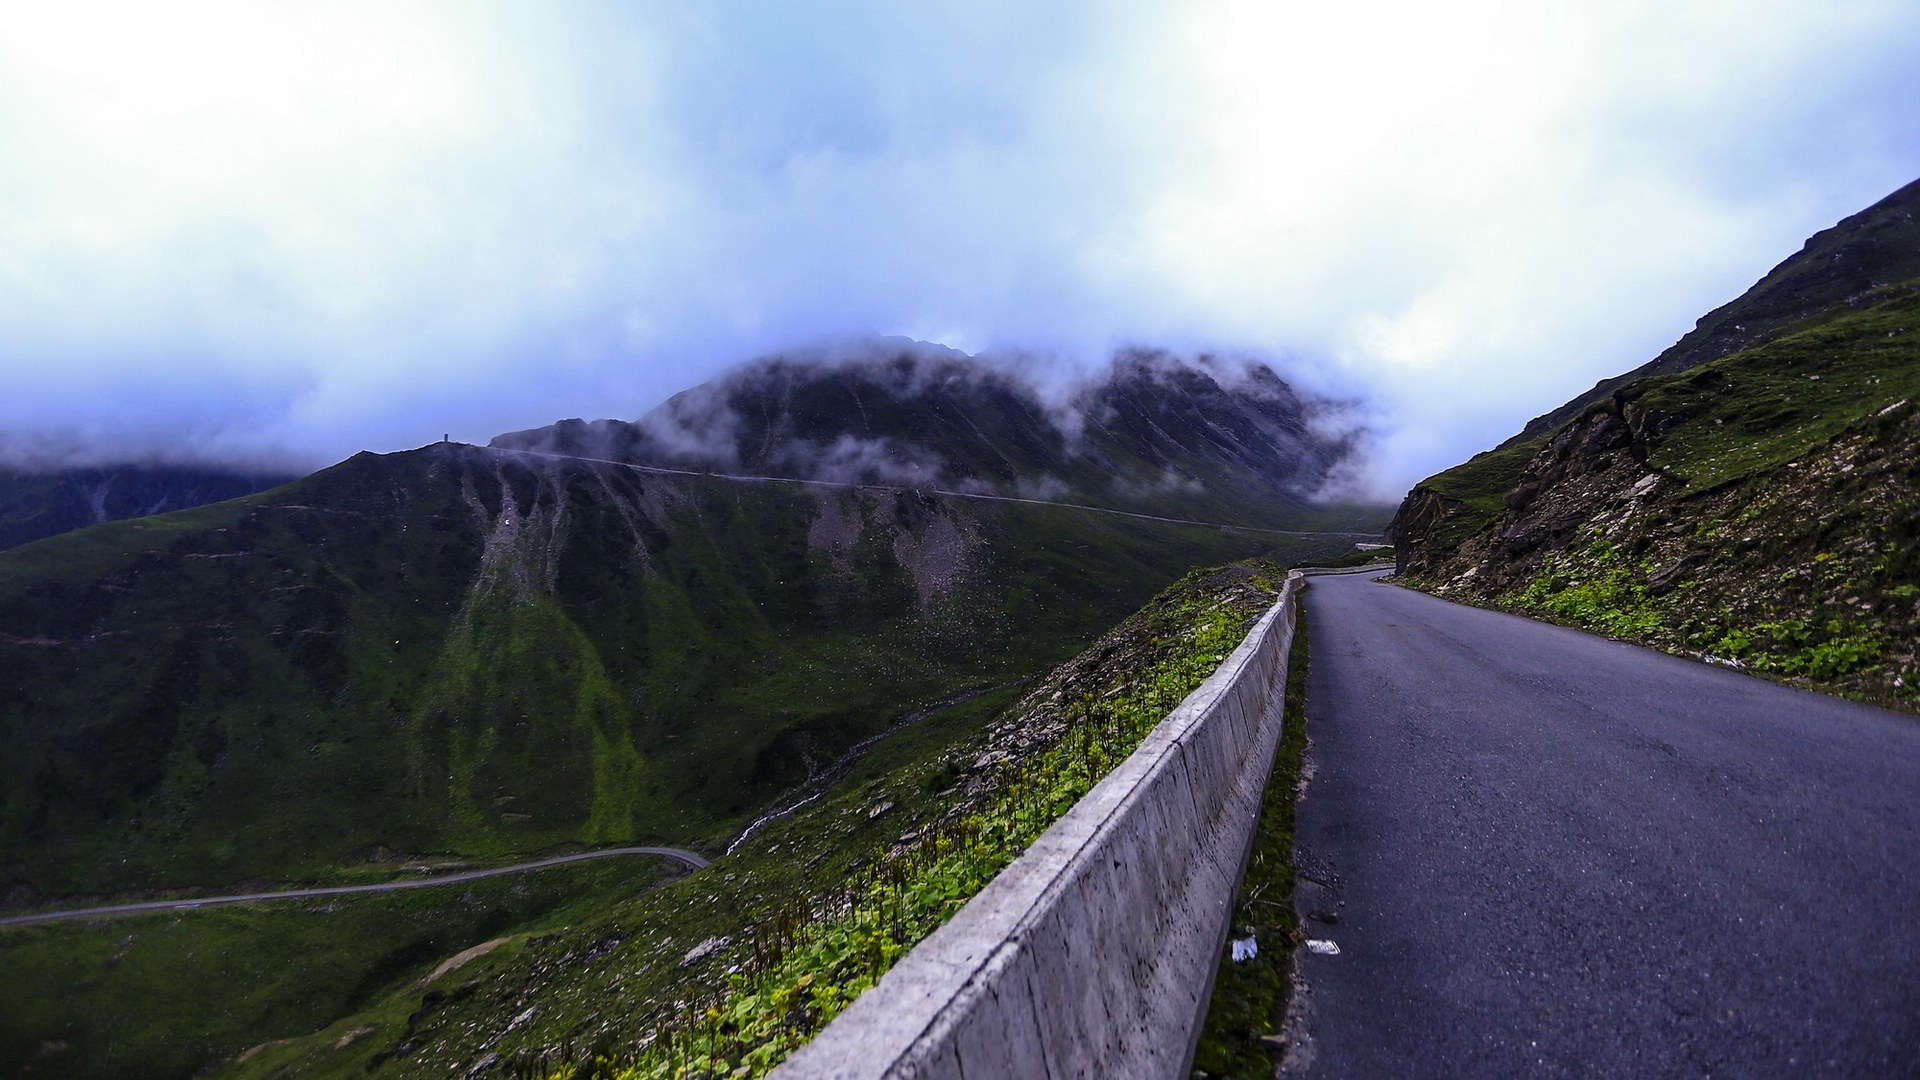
{"type": "Point", "coordinates": [692, 860]}
{"type": "Point", "coordinates": [1546, 853]}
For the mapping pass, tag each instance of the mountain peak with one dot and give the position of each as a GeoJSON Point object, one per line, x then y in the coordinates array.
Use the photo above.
{"type": "Point", "coordinates": [1206, 437]}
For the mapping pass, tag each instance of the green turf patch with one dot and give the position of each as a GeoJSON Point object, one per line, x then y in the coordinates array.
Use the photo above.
{"type": "Point", "coordinates": [165, 993]}
{"type": "Point", "coordinates": [816, 958]}
{"type": "Point", "coordinates": [1769, 405]}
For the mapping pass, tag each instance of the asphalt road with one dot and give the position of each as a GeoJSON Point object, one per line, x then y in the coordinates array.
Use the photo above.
{"type": "Point", "coordinates": [1553, 854]}
{"type": "Point", "coordinates": [687, 857]}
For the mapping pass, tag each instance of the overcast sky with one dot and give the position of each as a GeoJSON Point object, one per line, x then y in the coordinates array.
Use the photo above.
{"type": "Point", "coordinates": [261, 230]}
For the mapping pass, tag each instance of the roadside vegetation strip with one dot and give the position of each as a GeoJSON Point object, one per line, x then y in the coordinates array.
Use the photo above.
{"type": "Point", "coordinates": [689, 858]}
{"type": "Point", "coordinates": [806, 965]}
{"type": "Point", "coordinates": [1247, 1013]}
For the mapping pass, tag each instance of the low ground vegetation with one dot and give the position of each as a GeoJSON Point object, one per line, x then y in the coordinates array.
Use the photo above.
{"type": "Point", "coordinates": [821, 953]}
{"type": "Point", "coordinates": [736, 965]}
{"type": "Point", "coordinates": [450, 652]}
{"type": "Point", "coordinates": [1241, 1039]}
{"type": "Point", "coordinates": [166, 994]}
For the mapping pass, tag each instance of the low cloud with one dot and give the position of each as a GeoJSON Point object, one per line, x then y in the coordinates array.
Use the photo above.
{"type": "Point", "coordinates": [885, 411]}
{"type": "Point", "coordinates": [852, 460]}
{"type": "Point", "coordinates": [254, 232]}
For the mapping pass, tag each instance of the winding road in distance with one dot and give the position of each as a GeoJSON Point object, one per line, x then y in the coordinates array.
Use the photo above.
{"type": "Point", "coordinates": [692, 860]}
{"type": "Point", "coordinates": [1550, 854]}
{"type": "Point", "coordinates": [662, 470]}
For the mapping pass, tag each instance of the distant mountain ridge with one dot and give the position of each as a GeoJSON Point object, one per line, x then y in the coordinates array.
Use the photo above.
{"type": "Point", "coordinates": [38, 503]}
{"type": "Point", "coordinates": [1202, 438]}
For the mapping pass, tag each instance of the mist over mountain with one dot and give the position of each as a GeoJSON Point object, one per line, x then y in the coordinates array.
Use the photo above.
{"type": "Point", "coordinates": [955, 384]}
{"type": "Point", "coordinates": [1206, 437]}
{"type": "Point", "coordinates": [38, 503]}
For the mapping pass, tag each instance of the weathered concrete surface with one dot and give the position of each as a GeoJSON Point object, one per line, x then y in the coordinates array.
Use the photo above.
{"type": "Point", "coordinates": [1093, 954]}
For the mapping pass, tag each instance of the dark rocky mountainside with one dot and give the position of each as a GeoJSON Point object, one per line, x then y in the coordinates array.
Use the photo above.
{"type": "Point", "coordinates": [1206, 439]}
{"type": "Point", "coordinates": [1877, 246]}
{"type": "Point", "coordinates": [1761, 509]}
{"type": "Point", "coordinates": [38, 503]}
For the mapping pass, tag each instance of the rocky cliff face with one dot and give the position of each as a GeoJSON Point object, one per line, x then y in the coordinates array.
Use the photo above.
{"type": "Point", "coordinates": [1549, 497]}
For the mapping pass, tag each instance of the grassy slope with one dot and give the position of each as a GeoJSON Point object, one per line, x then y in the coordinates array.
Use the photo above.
{"type": "Point", "coordinates": [1757, 410]}
{"type": "Point", "coordinates": [163, 995]}
{"type": "Point", "coordinates": [1465, 499]}
{"type": "Point", "coordinates": [614, 978]}
{"type": "Point", "coordinates": [289, 685]}
{"type": "Point", "coordinates": [1876, 247]}
{"type": "Point", "coordinates": [281, 686]}
{"type": "Point", "coordinates": [35, 505]}
{"type": "Point", "coordinates": [1786, 536]}
{"type": "Point", "coordinates": [1772, 402]}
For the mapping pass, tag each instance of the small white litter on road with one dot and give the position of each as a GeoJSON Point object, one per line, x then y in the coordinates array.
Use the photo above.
{"type": "Point", "coordinates": [1245, 949]}
{"type": "Point", "coordinates": [1323, 946]}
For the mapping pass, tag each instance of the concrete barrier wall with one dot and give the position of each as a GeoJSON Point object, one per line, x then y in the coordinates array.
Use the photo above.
{"type": "Point", "coordinates": [1092, 954]}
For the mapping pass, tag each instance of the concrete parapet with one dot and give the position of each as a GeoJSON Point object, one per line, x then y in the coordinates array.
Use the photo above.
{"type": "Point", "coordinates": [1093, 953]}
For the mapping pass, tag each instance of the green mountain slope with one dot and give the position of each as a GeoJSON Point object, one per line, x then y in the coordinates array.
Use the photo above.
{"type": "Point", "coordinates": [455, 649]}
{"type": "Point", "coordinates": [1877, 246]}
{"type": "Point", "coordinates": [1762, 509]}
{"type": "Point", "coordinates": [602, 959]}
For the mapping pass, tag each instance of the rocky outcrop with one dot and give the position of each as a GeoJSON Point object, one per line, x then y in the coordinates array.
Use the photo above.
{"type": "Point", "coordinates": [1422, 517]}
{"type": "Point", "coordinates": [1590, 465]}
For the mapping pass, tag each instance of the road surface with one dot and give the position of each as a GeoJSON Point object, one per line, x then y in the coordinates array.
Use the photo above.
{"type": "Point", "coordinates": [688, 857]}
{"type": "Point", "coordinates": [1553, 854]}
{"type": "Point", "coordinates": [830, 776]}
